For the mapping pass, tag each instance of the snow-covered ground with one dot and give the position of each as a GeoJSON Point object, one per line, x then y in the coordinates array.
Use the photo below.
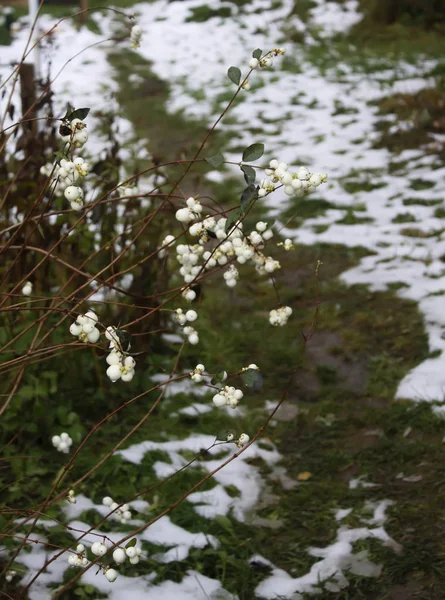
{"type": "Point", "coordinates": [335, 559]}
{"type": "Point", "coordinates": [174, 542]}
{"type": "Point", "coordinates": [194, 58]}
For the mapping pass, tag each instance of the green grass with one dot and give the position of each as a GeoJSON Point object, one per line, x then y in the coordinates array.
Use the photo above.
{"type": "Point", "coordinates": [351, 218]}
{"type": "Point", "coordinates": [200, 14]}
{"type": "Point", "coordinates": [419, 233]}
{"type": "Point", "coordinates": [170, 136]}
{"type": "Point", "coordinates": [298, 210]}
{"type": "Point", "coordinates": [302, 9]}
{"type": "Point", "coordinates": [369, 47]}
{"type": "Point", "coordinates": [421, 184]}
{"type": "Point", "coordinates": [404, 218]}
{"type": "Point", "coordinates": [353, 187]}
{"type": "Point", "coordinates": [422, 201]}
{"type": "Point", "coordinates": [421, 114]}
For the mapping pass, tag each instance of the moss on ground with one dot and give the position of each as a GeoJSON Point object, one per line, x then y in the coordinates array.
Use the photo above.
{"type": "Point", "coordinates": [421, 119]}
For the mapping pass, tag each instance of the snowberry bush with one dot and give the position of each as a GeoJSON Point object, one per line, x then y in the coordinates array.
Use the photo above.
{"type": "Point", "coordinates": [99, 263]}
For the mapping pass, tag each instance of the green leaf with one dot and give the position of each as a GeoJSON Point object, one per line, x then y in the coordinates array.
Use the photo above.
{"type": "Point", "coordinates": [51, 376]}
{"type": "Point", "coordinates": [249, 174]}
{"type": "Point", "coordinates": [234, 75]}
{"type": "Point", "coordinates": [253, 152]}
{"type": "Point", "coordinates": [224, 522]}
{"type": "Point", "coordinates": [248, 195]}
{"type": "Point", "coordinates": [123, 338]}
{"type": "Point", "coordinates": [236, 216]}
{"type": "Point", "coordinates": [72, 418]}
{"type": "Point", "coordinates": [257, 53]}
{"type": "Point", "coordinates": [61, 155]}
{"type": "Point", "coordinates": [253, 379]}
{"type": "Point", "coordinates": [216, 161]}
{"type": "Point", "coordinates": [221, 435]}
{"type": "Point", "coordinates": [219, 377]}
{"type": "Point", "coordinates": [90, 589]}
{"type": "Point", "coordinates": [79, 113]}
{"type": "Point", "coordinates": [40, 229]}
{"type": "Point", "coordinates": [69, 110]}
{"type": "Point", "coordinates": [131, 543]}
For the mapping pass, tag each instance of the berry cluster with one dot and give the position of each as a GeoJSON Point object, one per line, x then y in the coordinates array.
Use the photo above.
{"type": "Point", "coordinates": [287, 244]}
{"type": "Point", "coordinates": [197, 374]}
{"type": "Point", "coordinates": [280, 316]}
{"type": "Point", "coordinates": [228, 396]}
{"type": "Point", "coordinates": [62, 442]}
{"type": "Point", "coordinates": [74, 195]}
{"type": "Point", "coordinates": [27, 288]}
{"type": "Point", "coordinates": [266, 61]}
{"type": "Point", "coordinates": [261, 62]}
{"type": "Point", "coordinates": [84, 327]}
{"type": "Point", "coordinates": [188, 256]}
{"type": "Point", "coordinates": [182, 318]}
{"type": "Point", "coordinates": [295, 184]}
{"type": "Point", "coordinates": [99, 549]}
{"type": "Point", "coordinates": [121, 366]}
{"type": "Point", "coordinates": [253, 366]}
{"type": "Point", "coordinates": [243, 439]}
{"type": "Point", "coordinates": [78, 136]}
{"type": "Point", "coordinates": [121, 513]}
{"type": "Point", "coordinates": [233, 245]}
{"type": "Point", "coordinates": [189, 294]}
{"type": "Point", "coordinates": [68, 174]}
{"type": "Point", "coordinates": [188, 317]}
{"type": "Point", "coordinates": [167, 241]}
{"type": "Point", "coordinates": [192, 335]}
{"type": "Point", "coordinates": [191, 212]}
{"type": "Point", "coordinates": [135, 36]}
{"type": "Point", "coordinates": [79, 559]}
{"type": "Point", "coordinates": [133, 553]}
{"type": "Point", "coordinates": [231, 276]}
